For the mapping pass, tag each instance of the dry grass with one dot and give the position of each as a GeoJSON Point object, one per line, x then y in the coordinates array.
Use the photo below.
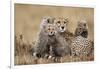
{"type": "Point", "coordinates": [23, 55]}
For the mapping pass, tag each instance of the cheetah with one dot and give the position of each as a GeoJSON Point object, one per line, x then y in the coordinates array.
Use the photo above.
{"type": "Point", "coordinates": [45, 37]}
{"type": "Point", "coordinates": [62, 36]}
{"type": "Point", "coordinates": [81, 46]}
{"type": "Point", "coordinates": [60, 49]}
{"type": "Point", "coordinates": [82, 29]}
{"type": "Point", "coordinates": [61, 24]}
{"type": "Point", "coordinates": [72, 39]}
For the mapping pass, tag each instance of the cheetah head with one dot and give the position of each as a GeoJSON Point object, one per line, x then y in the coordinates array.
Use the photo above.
{"type": "Point", "coordinates": [61, 24]}
{"type": "Point", "coordinates": [82, 29]}
{"type": "Point", "coordinates": [50, 30]}
{"type": "Point", "coordinates": [82, 24]}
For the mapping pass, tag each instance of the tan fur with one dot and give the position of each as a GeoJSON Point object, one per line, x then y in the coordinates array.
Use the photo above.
{"type": "Point", "coordinates": [82, 29]}
{"type": "Point", "coordinates": [46, 37]}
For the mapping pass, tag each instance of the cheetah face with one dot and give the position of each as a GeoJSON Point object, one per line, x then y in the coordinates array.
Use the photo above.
{"type": "Point", "coordinates": [82, 24]}
{"type": "Point", "coordinates": [61, 24]}
{"type": "Point", "coordinates": [50, 29]}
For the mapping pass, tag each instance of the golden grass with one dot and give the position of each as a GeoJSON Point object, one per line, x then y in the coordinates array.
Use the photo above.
{"type": "Point", "coordinates": [23, 55]}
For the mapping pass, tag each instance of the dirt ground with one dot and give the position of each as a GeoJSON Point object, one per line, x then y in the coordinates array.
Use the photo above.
{"type": "Point", "coordinates": [27, 19]}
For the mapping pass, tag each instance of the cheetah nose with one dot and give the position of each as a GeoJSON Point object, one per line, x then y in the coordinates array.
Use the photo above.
{"type": "Point", "coordinates": [62, 27]}
{"type": "Point", "coordinates": [51, 32]}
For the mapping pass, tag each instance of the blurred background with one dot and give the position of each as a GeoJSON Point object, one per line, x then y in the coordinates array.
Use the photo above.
{"type": "Point", "coordinates": [28, 18]}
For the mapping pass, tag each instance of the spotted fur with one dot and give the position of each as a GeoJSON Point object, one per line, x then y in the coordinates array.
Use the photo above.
{"type": "Point", "coordinates": [81, 46]}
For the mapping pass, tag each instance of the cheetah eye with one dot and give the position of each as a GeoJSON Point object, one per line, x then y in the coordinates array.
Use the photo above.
{"type": "Point", "coordinates": [84, 24]}
{"type": "Point", "coordinates": [64, 22]}
{"type": "Point", "coordinates": [80, 28]}
{"type": "Point", "coordinates": [58, 22]}
{"type": "Point", "coordinates": [48, 28]}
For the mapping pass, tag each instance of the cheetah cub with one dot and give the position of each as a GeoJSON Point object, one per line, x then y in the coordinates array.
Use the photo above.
{"type": "Point", "coordinates": [45, 38]}
{"type": "Point", "coordinates": [82, 29]}
{"type": "Point", "coordinates": [61, 24]}
{"type": "Point", "coordinates": [59, 49]}
{"type": "Point", "coordinates": [81, 45]}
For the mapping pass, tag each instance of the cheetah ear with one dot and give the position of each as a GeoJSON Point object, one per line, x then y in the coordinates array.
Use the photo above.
{"type": "Point", "coordinates": [85, 25]}
{"type": "Point", "coordinates": [67, 20]}
{"type": "Point", "coordinates": [45, 17]}
{"type": "Point", "coordinates": [53, 18]}
{"type": "Point", "coordinates": [78, 23]}
{"type": "Point", "coordinates": [43, 25]}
